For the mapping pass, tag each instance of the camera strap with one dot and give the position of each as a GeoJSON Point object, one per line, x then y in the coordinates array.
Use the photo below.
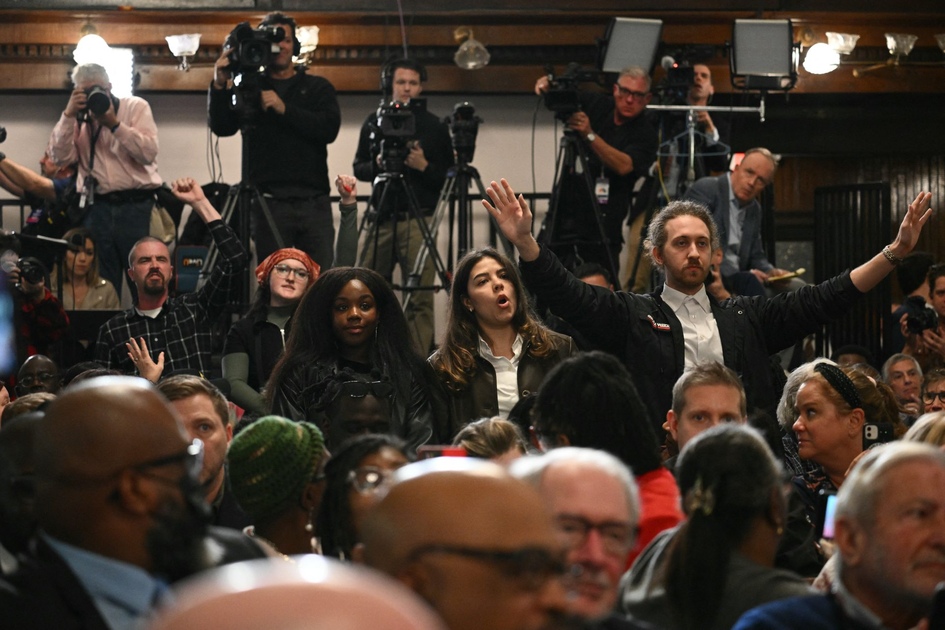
{"type": "Point", "coordinates": [87, 198]}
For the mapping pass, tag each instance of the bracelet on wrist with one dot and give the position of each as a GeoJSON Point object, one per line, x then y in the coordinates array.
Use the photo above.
{"type": "Point", "coordinates": [891, 257]}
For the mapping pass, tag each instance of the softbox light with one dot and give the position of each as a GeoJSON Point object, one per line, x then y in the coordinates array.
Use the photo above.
{"type": "Point", "coordinates": [763, 55]}
{"type": "Point", "coordinates": [630, 42]}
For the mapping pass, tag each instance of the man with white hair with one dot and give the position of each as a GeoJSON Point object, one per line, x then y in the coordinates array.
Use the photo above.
{"type": "Point", "coordinates": [114, 140]}
{"type": "Point", "coordinates": [594, 502]}
{"type": "Point", "coordinates": [890, 536]}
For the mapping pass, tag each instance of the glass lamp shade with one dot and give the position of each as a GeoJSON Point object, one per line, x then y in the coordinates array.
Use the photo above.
{"type": "Point", "coordinates": [183, 45]}
{"type": "Point", "coordinates": [843, 43]}
{"type": "Point", "coordinates": [471, 55]}
{"type": "Point", "coordinates": [900, 44]}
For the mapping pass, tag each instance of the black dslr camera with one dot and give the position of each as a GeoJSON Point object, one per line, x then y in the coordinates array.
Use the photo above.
{"type": "Point", "coordinates": [393, 132]}
{"type": "Point", "coordinates": [921, 318]}
{"type": "Point", "coordinates": [97, 100]}
{"type": "Point", "coordinates": [464, 126]}
{"type": "Point", "coordinates": [31, 270]}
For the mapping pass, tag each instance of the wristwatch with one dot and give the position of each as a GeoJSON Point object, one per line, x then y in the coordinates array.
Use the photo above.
{"type": "Point", "coordinates": [591, 137]}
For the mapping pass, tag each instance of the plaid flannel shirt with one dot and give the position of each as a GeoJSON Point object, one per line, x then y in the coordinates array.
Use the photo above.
{"type": "Point", "coordinates": [182, 329]}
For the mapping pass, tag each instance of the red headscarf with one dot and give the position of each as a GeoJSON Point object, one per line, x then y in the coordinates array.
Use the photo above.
{"type": "Point", "coordinates": [276, 257]}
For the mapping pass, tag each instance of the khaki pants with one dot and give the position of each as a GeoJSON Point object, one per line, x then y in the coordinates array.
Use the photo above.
{"type": "Point", "coordinates": [641, 282]}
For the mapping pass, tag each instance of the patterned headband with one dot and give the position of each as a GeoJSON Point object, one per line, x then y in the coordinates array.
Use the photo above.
{"type": "Point", "coordinates": [841, 383]}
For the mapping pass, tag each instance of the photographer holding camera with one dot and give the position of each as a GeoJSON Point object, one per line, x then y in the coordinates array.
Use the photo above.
{"type": "Point", "coordinates": [39, 320]}
{"type": "Point", "coordinates": [923, 323]}
{"type": "Point", "coordinates": [622, 146]}
{"type": "Point", "coordinates": [423, 159]}
{"type": "Point", "coordinates": [115, 143]}
{"type": "Point", "coordinates": [288, 119]}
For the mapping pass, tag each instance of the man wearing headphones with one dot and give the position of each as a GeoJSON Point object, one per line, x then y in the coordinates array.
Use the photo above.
{"type": "Point", "coordinates": [395, 237]}
{"type": "Point", "coordinates": [287, 144]}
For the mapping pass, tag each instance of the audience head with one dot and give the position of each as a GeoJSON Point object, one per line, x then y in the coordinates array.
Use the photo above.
{"type": "Point", "coordinates": [594, 273]}
{"type": "Point", "coordinates": [590, 400]}
{"type": "Point", "coordinates": [492, 438]}
{"type": "Point", "coordinates": [128, 490]}
{"type": "Point", "coordinates": [17, 485]}
{"type": "Point", "coordinates": [596, 509]}
{"type": "Point", "coordinates": [786, 411]}
{"type": "Point", "coordinates": [732, 488]}
{"type": "Point", "coordinates": [90, 74]}
{"type": "Point", "coordinates": [928, 428]}
{"type": "Point", "coordinates": [890, 530]}
{"type": "Point", "coordinates": [936, 281]}
{"type": "Point", "coordinates": [701, 89]}
{"type": "Point", "coordinates": [472, 541]}
{"type": "Point", "coordinates": [852, 354]}
{"type": "Point", "coordinates": [206, 416]}
{"type": "Point", "coordinates": [706, 395]}
{"type": "Point", "coordinates": [681, 239]}
{"type": "Point", "coordinates": [753, 174]}
{"type": "Point", "coordinates": [38, 374]}
{"type": "Point", "coordinates": [904, 375]}
{"type": "Point", "coordinates": [149, 267]}
{"type": "Point", "coordinates": [79, 368]}
{"type": "Point", "coordinates": [276, 469]}
{"type": "Point", "coordinates": [284, 276]}
{"type": "Point", "coordinates": [933, 391]}
{"type": "Point", "coordinates": [913, 271]}
{"type": "Point", "coordinates": [832, 406]}
{"type": "Point", "coordinates": [311, 592]}
{"type": "Point", "coordinates": [356, 476]}
{"type": "Point", "coordinates": [83, 263]}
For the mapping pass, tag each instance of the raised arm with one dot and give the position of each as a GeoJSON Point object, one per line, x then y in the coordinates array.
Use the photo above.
{"type": "Point", "coordinates": [872, 272]}
{"type": "Point", "coordinates": [514, 218]}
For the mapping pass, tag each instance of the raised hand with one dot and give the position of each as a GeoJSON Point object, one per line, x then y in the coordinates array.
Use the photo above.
{"type": "Point", "coordinates": [513, 216]}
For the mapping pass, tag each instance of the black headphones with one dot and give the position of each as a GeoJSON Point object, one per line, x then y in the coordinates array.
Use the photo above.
{"type": "Point", "coordinates": [283, 20]}
{"type": "Point", "coordinates": [390, 68]}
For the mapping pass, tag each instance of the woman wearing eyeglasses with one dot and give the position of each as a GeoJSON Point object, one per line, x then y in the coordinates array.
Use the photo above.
{"type": "Point", "coordinates": [350, 323]}
{"type": "Point", "coordinates": [356, 472]}
{"type": "Point", "coordinates": [495, 350]}
{"type": "Point", "coordinates": [255, 343]}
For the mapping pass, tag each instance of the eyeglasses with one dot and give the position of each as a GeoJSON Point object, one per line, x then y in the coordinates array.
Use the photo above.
{"type": "Point", "coordinates": [283, 271]}
{"type": "Point", "coordinates": [192, 456]}
{"type": "Point", "coordinates": [367, 479]}
{"type": "Point", "coordinates": [616, 537]}
{"type": "Point", "coordinates": [531, 567]}
{"type": "Point", "coordinates": [931, 396]}
{"type": "Point", "coordinates": [360, 389]}
{"type": "Point", "coordinates": [42, 377]}
{"type": "Point", "coordinates": [627, 92]}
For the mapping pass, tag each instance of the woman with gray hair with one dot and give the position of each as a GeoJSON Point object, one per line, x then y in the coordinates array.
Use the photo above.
{"type": "Point", "coordinates": [720, 562]}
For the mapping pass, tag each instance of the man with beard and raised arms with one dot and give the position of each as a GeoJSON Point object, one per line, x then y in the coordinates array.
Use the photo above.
{"type": "Point", "coordinates": [175, 329]}
{"type": "Point", "coordinates": [595, 505]}
{"type": "Point", "coordinates": [473, 542]}
{"type": "Point", "coordinates": [119, 508]}
{"type": "Point", "coordinates": [659, 335]}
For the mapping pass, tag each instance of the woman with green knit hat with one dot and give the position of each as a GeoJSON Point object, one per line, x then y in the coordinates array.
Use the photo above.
{"type": "Point", "coordinates": [276, 469]}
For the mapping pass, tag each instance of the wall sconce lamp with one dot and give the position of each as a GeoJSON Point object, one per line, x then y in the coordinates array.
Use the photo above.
{"type": "Point", "coordinates": [471, 55]}
{"type": "Point", "coordinates": [184, 47]}
{"type": "Point", "coordinates": [308, 38]}
{"type": "Point", "coordinates": [899, 45]}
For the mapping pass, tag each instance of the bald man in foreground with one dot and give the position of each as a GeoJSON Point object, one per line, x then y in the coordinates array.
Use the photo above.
{"type": "Point", "coordinates": [476, 544]}
{"type": "Point", "coordinates": [119, 508]}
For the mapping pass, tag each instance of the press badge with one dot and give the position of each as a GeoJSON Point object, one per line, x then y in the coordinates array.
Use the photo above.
{"type": "Point", "coordinates": [602, 190]}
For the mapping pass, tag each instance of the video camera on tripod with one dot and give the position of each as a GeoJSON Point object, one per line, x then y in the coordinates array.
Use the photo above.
{"type": "Point", "coordinates": [562, 96]}
{"type": "Point", "coordinates": [251, 50]}
{"type": "Point", "coordinates": [464, 127]}
{"type": "Point", "coordinates": [393, 133]}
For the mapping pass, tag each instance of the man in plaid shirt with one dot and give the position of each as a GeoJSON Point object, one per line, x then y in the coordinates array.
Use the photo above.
{"type": "Point", "coordinates": [176, 330]}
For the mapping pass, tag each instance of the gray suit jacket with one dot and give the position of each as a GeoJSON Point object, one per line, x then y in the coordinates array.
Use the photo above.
{"type": "Point", "coordinates": [713, 192]}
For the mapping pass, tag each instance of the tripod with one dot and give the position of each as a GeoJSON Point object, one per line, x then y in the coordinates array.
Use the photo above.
{"type": "Point", "coordinates": [381, 206]}
{"type": "Point", "coordinates": [239, 199]}
{"type": "Point", "coordinates": [566, 234]}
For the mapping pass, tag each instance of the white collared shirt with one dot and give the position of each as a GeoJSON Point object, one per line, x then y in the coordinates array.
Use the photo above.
{"type": "Point", "coordinates": [506, 373]}
{"type": "Point", "coordinates": [700, 330]}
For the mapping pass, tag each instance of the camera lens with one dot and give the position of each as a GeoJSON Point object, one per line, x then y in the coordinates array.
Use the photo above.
{"type": "Point", "coordinates": [98, 101]}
